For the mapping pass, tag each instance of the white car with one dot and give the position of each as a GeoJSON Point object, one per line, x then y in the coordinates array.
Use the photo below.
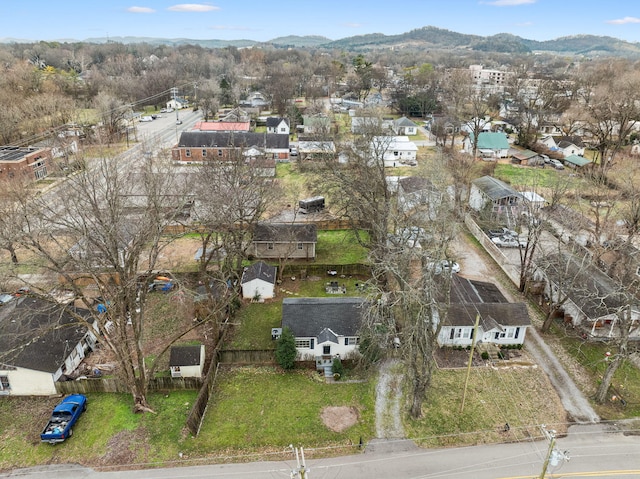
{"type": "Point", "coordinates": [508, 242]}
{"type": "Point", "coordinates": [444, 266]}
{"type": "Point", "coordinates": [146, 118]}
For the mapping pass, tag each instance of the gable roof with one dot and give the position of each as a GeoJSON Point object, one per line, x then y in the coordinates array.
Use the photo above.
{"type": "Point", "coordinates": [310, 317]}
{"type": "Point", "coordinates": [285, 232]}
{"type": "Point", "coordinates": [238, 139]}
{"type": "Point", "coordinates": [492, 315]}
{"type": "Point", "coordinates": [37, 334]}
{"type": "Point", "coordinates": [259, 270]}
{"type": "Point", "coordinates": [274, 121]}
{"type": "Point", "coordinates": [494, 188]}
{"type": "Point", "coordinates": [565, 141]}
{"type": "Point", "coordinates": [577, 160]}
{"type": "Point", "coordinates": [488, 140]}
{"type": "Point", "coordinates": [523, 154]}
{"type": "Point", "coordinates": [184, 356]}
{"type": "Point", "coordinates": [465, 290]}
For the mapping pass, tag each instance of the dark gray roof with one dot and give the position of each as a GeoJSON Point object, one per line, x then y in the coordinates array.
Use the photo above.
{"type": "Point", "coordinates": [285, 232]}
{"type": "Point", "coordinates": [411, 184]}
{"type": "Point", "coordinates": [37, 334]}
{"type": "Point", "coordinates": [465, 290]}
{"type": "Point", "coordinates": [235, 139]}
{"type": "Point", "coordinates": [15, 153]}
{"type": "Point", "coordinates": [494, 188]}
{"type": "Point", "coordinates": [404, 121]}
{"type": "Point", "coordinates": [184, 356]}
{"type": "Point", "coordinates": [492, 315]}
{"type": "Point", "coordinates": [564, 141]}
{"type": "Point", "coordinates": [309, 317]}
{"type": "Point", "coordinates": [259, 270]}
{"type": "Point", "coordinates": [274, 121]}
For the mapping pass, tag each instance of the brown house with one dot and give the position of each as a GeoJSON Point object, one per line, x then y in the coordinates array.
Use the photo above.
{"type": "Point", "coordinates": [201, 146]}
{"type": "Point", "coordinates": [284, 240]}
{"type": "Point", "coordinates": [32, 163]}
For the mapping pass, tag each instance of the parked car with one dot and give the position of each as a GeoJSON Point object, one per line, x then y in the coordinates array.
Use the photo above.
{"type": "Point", "coordinates": [508, 242]}
{"type": "Point", "coordinates": [502, 232]}
{"type": "Point", "coordinates": [293, 151]}
{"type": "Point", "coordinates": [63, 418]}
{"type": "Point", "coordinates": [557, 164]}
{"type": "Point", "coordinates": [444, 266]}
{"type": "Point", "coordinates": [6, 298]}
{"type": "Point", "coordinates": [146, 118]}
{"type": "Point", "coordinates": [178, 122]}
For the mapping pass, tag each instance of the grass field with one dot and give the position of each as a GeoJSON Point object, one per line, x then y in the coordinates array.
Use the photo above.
{"type": "Point", "coordinates": [339, 247]}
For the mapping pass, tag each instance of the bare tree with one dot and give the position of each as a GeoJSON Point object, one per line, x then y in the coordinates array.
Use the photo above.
{"type": "Point", "coordinates": [105, 225]}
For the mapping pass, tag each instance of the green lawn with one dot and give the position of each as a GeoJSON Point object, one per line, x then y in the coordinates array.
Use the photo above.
{"type": "Point", "coordinates": [255, 323]}
{"type": "Point", "coordinates": [494, 397]}
{"type": "Point", "coordinates": [339, 247]}
{"type": "Point", "coordinates": [266, 408]}
{"type": "Point", "coordinates": [109, 432]}
{"type": "Point", "coordinates": [626, 382]}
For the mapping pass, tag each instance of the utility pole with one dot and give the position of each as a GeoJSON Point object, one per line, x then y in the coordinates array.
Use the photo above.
{"type": "Point", "coordinates": [553, 456]}
{"type": "Point", "coordinates": [473, 347]}
{"type": "Point", "coordinates": [301, 470]}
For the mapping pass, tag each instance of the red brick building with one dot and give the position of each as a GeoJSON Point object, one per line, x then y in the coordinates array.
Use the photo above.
{"type": "Point", "coordinates": [31, 162]}
{"type": "Point", "coordinates": [201, 146]}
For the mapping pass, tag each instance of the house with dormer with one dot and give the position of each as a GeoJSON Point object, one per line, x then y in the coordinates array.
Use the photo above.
{"type": "Point", "coordinates": [324, 328]}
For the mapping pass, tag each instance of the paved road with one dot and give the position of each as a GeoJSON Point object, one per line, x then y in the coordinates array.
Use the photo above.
{"type": "Point", "coordinates": [595, 451]}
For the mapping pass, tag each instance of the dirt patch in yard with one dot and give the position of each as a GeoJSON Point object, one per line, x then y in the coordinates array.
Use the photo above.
{"type": "Point", "coordinates": [125, 447]}
{"type": "Point", "coordinates": [339, 418]}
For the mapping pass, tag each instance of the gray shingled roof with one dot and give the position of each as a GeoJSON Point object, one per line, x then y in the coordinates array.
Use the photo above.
{"type": "Point", "coordinates": [491, 314]}
{"type": "Point", "coordinates": [236, 139]}
{"type": "Point", "coordinates": [404, 121]}
{"type": "Point", "coordinates": [37, 334]}
{"type": "Point", "coordinates": [309, 317]}
{"type": "Point", "coordinates": [411, 184]}
{"type": "Point", "coordinates": [259, 270]}
{"type": "Point", "coordinates": [184, 356]}
{"type": "Point", "coordinates": [494, 188]}
{"type": "Point", "coordinates": [274, 121]}
{"type": "Point", "coordinates": [285, 232]}
{"type": "Point", "coordinates": [465, 290]}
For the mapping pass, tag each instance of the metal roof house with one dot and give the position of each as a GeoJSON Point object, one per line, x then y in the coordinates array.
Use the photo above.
{"type": "Point", "coordinates": [489, 192]}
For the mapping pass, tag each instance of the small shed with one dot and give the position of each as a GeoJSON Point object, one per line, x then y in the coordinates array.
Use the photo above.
{"type": "Point", "coordinates": [259, 281]}
{"type": "Point", "coordinates": [186, 361]}
{"type": "Point", "coordinates": [575, 161]}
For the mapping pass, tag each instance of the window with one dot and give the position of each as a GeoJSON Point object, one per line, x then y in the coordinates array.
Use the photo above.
{"type": "Point", "coordinates": [269, 245]}
{"type": "Point", "coordinates": [283, 129]}
{"type": "Point", "coordinates": [303, 343]}
{"type": "Point", "coordinates": [299, 245]}
{"type": "Point", "coordinates": [204, 152]}
{"type": "Point", "coordinates": [395, 153]}
{"type": "Point", "coordinates": [351, 341]}
{"type": "Point", "coordinates": [187, 153]}
{"type": "Point", "coordinates": [326, 350]}
{"type": "Point", "coordinates": [510, 333]}
{"type": "Point", "coordinates": [499, 335]}
{"type": "Point", "coordinates": [466, 333]}
{"type": "Point", "coordinates": [458, 333]}
{"type": "Point", "coordinates": [452, 332]}
{"type": "Point", "coordinates": [219, 152]}
{"type": "Point", "coordinates": [4, 383]}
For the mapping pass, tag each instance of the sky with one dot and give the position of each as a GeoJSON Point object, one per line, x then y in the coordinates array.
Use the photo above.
{"type": "Point", "coordinates": [262, 20]}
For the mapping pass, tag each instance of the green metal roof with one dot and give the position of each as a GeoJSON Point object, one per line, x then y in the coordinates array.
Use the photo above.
{"type": "Point", "coordinates": [577, 160]}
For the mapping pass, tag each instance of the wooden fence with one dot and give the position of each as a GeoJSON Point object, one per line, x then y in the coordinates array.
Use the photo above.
{"type": "Point", "coordinates": [315, 269]}
{"type": "Point", "coordinates": [247, 356]}
{"type": "Point", "coordinates": [114, 385]}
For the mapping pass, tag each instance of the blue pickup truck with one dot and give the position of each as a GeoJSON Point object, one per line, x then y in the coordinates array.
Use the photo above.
{"type": "Point", "coordinates": [63, 418]}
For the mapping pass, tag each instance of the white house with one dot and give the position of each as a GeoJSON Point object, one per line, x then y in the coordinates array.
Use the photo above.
{"type": "Point", "coordinates": [404, 126]}
{"type": "Point", "coordinates": [177, 103]}
{"type": "Point", "coordinates": [395, 150]}
{"type": "Point", "coordinates": [258, 281]}
{"type": "Point", "coordinates": [278, 125]}
{"type": "Point", "coordinates": [501, 322]}
{"type": "Point", "coordinates": [488, 191]}
{"type": "Point", "coordinates": [40, 344]}
{"type": "Point", "coordinates": [323, 327]}
{"type": "Point", "coordinates": [492, 145]}
{"type": "Point", "coordinates": [186, 361]}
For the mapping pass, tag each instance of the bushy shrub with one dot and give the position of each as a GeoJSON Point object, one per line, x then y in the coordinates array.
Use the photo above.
{"type": "Point", "coordinates": [286, 349]}
{"type": "Point", "coordinates": [485, 355]}
{"type": "Point", "coordinates": [338, 368]}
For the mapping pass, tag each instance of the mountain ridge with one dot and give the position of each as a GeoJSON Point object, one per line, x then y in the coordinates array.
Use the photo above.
{"type": "Point", "coordinates": [424, 37]}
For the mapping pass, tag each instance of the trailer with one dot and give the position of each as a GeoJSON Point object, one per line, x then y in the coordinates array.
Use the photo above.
{"type": "Point", "coordinates": [311, 205]}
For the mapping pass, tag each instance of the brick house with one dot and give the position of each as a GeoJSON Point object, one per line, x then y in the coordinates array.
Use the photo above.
{"type": "Point", "coordinates": [201, 146]}
{"type": "Point", "coordinates": [32, 162]}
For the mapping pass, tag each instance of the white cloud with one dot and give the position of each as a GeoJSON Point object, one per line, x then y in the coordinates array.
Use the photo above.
{"type": "Point", "coordinates": [353, 25]}
{"type": "Point", "coordinates": [192, 7]}
{"type": "Point", "coordinates": [509, 3]}
{"type": "Point", "coordinates": [624, 21]}
{"type": "Point", "coordinates": [140, 10]}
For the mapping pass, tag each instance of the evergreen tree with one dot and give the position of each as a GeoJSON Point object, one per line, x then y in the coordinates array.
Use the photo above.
{"type": "Point", "coordinates": [286, 349]}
